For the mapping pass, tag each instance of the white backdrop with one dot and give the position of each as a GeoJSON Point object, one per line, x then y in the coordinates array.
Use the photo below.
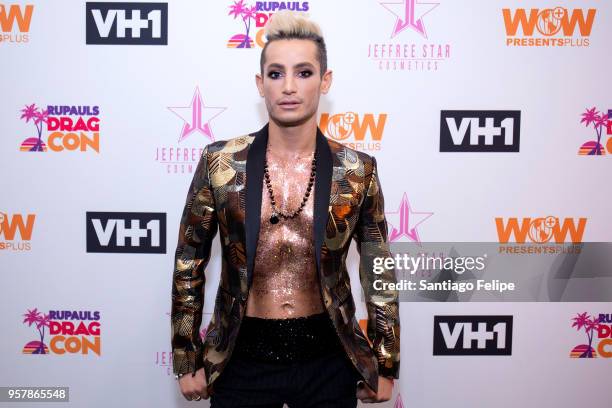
{"type": "Point", "coordinates": [454, 196]}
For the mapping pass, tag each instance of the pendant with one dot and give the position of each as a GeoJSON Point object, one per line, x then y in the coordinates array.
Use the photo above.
{"type": "Point", "coordinates": [274, 219]}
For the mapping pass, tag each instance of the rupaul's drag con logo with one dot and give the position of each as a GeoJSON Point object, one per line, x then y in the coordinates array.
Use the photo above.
{"type": "Point", "coordinates": [597, 330]}
{"type": "Point", "coordinates": [253, 18]}
{"type": "Point", "coordinates": [602, 125]}
{"type": "Point", "coordinates": [63, 331]}
{"type": "Point", "coordinates": [62, 128]}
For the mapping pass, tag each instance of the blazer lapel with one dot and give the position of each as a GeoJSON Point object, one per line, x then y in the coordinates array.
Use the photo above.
{"type": "Point", "coordinates": [322, 193]}
{"type": "Point", "coordinates": [255, 170]}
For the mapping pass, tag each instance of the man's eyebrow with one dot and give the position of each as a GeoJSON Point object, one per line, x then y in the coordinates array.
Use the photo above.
{"type": "Point", "coordinates": [276, 65]}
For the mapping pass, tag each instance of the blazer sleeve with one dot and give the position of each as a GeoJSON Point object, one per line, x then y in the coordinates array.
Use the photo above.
{"type": "Point", "coordinates": [198, 227]}
{"type": "Point", "coordinates": [383, 328]}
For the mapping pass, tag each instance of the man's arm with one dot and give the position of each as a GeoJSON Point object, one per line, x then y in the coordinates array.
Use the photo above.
{"type": "Point", "coordinates": [197, 229]}
{"type": "Point", "coordinates": [382, 305]}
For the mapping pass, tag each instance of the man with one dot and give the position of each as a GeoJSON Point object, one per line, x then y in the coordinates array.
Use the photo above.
{"type": "Point", "coordinates": [287, 202]}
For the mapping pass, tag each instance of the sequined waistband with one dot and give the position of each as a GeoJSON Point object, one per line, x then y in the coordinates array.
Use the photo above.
{"type": "Point", "coordinates": [286, 340]}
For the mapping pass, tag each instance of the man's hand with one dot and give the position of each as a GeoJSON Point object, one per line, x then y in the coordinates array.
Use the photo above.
{"type": "Point", "coordinates": [385, 389]}
{"type": "Point", "coordinates": [194, 387]}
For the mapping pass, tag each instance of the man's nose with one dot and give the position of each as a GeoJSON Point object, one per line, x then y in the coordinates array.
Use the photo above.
{"type": "Point", "coordinates": [289, 84]}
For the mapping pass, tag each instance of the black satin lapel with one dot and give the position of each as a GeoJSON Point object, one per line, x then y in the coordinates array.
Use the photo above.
{"type": "Point", "coordinates": [254, 179]}
{"type": "Point", "coordinates": [322, 192]}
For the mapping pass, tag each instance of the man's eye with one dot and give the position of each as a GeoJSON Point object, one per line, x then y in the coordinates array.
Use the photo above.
{"type": "Point", "coordinates": [274, 74]}
{"type": "Point", "coordinates": [306, 73]}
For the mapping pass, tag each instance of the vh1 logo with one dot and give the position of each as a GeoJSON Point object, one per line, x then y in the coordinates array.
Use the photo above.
{"type": "Point", "coordinates": [126, 232]}
{"type": "Point", "coordinates": [472, 336]}
{"type": "Point", "coordinates": [126, 23]}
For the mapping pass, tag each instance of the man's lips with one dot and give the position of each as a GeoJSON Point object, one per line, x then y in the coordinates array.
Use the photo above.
{"type": "Point", "coordinates": [289, 103]}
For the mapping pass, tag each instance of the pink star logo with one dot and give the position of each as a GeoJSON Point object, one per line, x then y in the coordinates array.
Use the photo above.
{"type": "Point", "coordinates": [197, 117]}
{"type": "Point", "coordinates": [409, 14]}
{"type": "Point", "coordinates": [404, 221]}
{"type": "Point", "coordinates": [398, 401]}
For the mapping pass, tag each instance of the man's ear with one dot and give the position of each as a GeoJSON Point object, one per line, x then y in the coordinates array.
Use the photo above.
{"type": "Point", "coordinates": [259, 83]}
{"type": "Point", "coordinates": [326, 81]}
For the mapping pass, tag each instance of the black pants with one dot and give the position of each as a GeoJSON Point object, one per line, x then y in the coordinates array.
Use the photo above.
{"type": "Point", "coordinates": [324, 382]}
{"type": "Point", "coordinates": [298, 361]}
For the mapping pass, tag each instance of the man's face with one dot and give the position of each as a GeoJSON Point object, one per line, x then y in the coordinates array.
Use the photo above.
{"type": "Point", "coordinates": [291, 82]}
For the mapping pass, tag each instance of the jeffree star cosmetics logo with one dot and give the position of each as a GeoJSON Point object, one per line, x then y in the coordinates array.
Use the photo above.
{"type": "Point", "coordinates": [196, 117]}
{"type": "Point", "coordinates": [163, 358]}
{"type": "Point", "coordinates": [409, 25]}
{"type": "Point", "coordinates": [404, 222]}
{"type": "Point", "coordinates": [409, 14]}
{"type": "Point", "coordinates": [398, 401]}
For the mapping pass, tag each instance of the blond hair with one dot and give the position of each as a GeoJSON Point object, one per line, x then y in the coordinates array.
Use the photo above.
{"type": "Point", "coordinates": [290, 25]}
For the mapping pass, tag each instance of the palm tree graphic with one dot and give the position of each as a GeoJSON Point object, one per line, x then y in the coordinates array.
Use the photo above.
{"type": "Point", "coordinates": [38, 116]}
{"type": "Point", "coordinates": [239, 9]}
{"type": "Point", "coordinates": [42, 321]}
{"type": "Point", "coordinates": [584, 321]}
{"type": "Point", "coordinates": [599, 121]}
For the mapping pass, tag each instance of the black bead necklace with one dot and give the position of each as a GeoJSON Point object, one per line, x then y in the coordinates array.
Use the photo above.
{"type": "Point", "coordinates": [274, 219]}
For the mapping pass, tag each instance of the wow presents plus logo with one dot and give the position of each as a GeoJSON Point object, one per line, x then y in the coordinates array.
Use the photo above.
{"type": "Point", "coordinates": [16, 231]}
{"type": "Point", "coordinates": [358, 131]}
{"type": "Point", "coordinates": [602, 125]}
{"type": "Point", "coordinates": [550, 27]}
{"type": "Point", "coordinates": [63, 331]}
{"type": "Point", "coordinates": [61, 128]}
{"type": "Point", "coordinates": [409, 47]}
{"type": "Point", "coordinates": [597, 332]}
{"type": "Point", "coordinates": [15, 22]}
{"type": "Point", "coordinates": [252, 18]}
{"type": "Point", "coordinates": [549, 233]}
{"type": "Point", "coordinates": [183, 156]}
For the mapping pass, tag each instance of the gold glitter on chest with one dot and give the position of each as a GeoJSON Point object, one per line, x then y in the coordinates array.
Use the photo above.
{"type": "Point", "coordinates": [285, 282]}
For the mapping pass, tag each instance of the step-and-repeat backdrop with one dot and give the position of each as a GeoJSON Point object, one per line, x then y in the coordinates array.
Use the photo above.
{"type": "Point", "coordinates": [488, 119]}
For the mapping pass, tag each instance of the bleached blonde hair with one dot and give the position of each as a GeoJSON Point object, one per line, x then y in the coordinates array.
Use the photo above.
{"type": "Point", "coordinates": [290, 25]}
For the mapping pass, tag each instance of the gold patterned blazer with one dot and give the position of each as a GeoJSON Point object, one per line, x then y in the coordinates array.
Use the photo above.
{"type": "Point", "coordinates": [225, 194]}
